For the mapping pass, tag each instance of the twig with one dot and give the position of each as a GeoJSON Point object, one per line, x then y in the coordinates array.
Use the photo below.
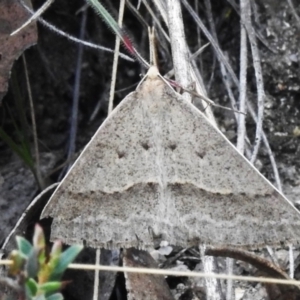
{"type": "Point", "coordinates": [110, 21]}
{"type": "Point", "coordinates": [273, 256]}
{"type": "Point", "coordinates": [195, 75]}
{"type": "Point", "coordinates": [229, 269]}
{"type": "Point", "coordinates": [36, 15]}
{"type": "Point", "coordinates": [115, 62]}
{"type": "Point", "coordinates": [137, 14]}
{"type": "Point", "coordinates": [294, 12]}
{"type": "Point", "coordinates": [241, 124]}
{"type": "Point", "coordinates": [260, 263]}
{"type": "Point", "coordinates": [72, 38]}
{"type": "Point", "coordinates": [211, 102]}
{"type": "Point", "coordinates": [175, 273]}
{"type": "Point", "coordinates": [76, 93]}
{"type": "Point", "coordinates": [258, 76]}
{"type": "Point", "coordinates": [269, 150]}
{"type": "Point", "coordinates": [30, 206]}
{"type": "Point", "coordinates": [258, 33]}
{"type": "Point", "coordinates": [212, 291]}
{"type": "Point", "coordinates": [199, 41]}
{"type": "Point", "coordinates": [215, 45]}
{"type": "Point", "coordinates": [156, 21]}
{"type": "Point", "coordinates": [96, 279]}
{"type": "Point", "coordinates": [178, 45]}
{"type": "Point", "coordinates": [236, 82]}
{"type": "Point", "coordinates": [161, 6]}
{"type": "Point", "coordinates": [291, 260]}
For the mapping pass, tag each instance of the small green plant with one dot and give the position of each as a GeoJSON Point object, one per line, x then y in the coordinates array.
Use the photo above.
{"type": "Point", "coordinates": [38, 273]}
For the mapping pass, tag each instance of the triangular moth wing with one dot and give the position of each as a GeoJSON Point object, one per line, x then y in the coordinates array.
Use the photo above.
{"type": "Point", "coordinates": [158, 163]}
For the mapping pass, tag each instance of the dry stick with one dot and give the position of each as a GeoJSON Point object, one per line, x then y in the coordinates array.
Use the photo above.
{"type": "Point", "coordinates": [199, 51]}
{"type": "Point", "coordinates": [294, 12]}
{"type": "Point", "coordinates": [32, 204]}
{"type": "Point", "coordinates": [258, 76]}
{"type": "Point", "coordinates": [211, 284]}
{"type": "Point", "coordinates": [211, 102]}
{"type": "Point", "coordinates": [258, 262]}
{"type": "Point", "coordinates": [201, 90]}
{"type": "Point", "coordinates": [193, 57]}
{"type": "Point", "coordinates": [37, 172]}
{"type": "Point", "coordinates": [182, 74]}
{"type": "Point", "coordinates": [262, 264]}
{"type": "Point", "coordinates": [72, 38]}
{"type": "Point", "coordinates": [196, 76]}
{"type": "Point", "coordinates": [178, 45]}
{"type": "Point", "coordinates": [258, 33]}
{"type": "Point", "coordinates": [273, 256]}
{"type": "Point", "coordinates": [291, 260]}
{"type": "Point", "coordinates": [139, 5]}
{"type": "Point", "coordinates": [156, 21]}
{"type": "Point", "coordinates": [96, 275]}
{"type": "Point", "coordinates": [136, 13]}
{"type": "Point", "coordinates": [224, 72]}
{"type": "Point", "coordinates": [229, 269]}
{"type": "Point", "coordinates": [243, 139]}
{"type": "Point", "coordinates": [110, 108]}
{"type": "Point", "coordinates": [162, 8]}
{"type": "Point", "coordinates": [174, 273]}
{"type": "Point", "coordinates": [115, 62]}
{"type": "Point", "coordinates": [221, 57]}
{"type": "Point", "coordinates": [241, 125]}
{"type": "Point", "coordinates": [268, 148]}
{"type": "Point", "coordinates": [229, 261]}
{"type": "Point", "coordinates": [36, 15]}
{"type": "Point", "coordinates": [212, 75]}
{"type": "Point", "coordinates": [196, 3]}
{"type": "Point", "coordinates": [217, 49]}
{"type": "Point", "coordinates": [76, 93]}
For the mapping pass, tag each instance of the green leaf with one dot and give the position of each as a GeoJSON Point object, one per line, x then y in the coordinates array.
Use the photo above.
{"type": "Point", "coordinates": [24, 246]}
{"type": "Point", "coordinates": [20, 150]}
{"type": "Point", "coordinates": [18, 262]}
{"type": "Point", "coordinates": [57, 296]}
{"type": "Point", "coordinates": [56, 249]}
{"type": "Point", "coordinates": [108, 19]}
{"type": "Point", "coordinates": [39, 243]}
{"type": "Point", "coordinates": [65, 259]}
{"type": "Point", "coordinates": [51, 287]}
{"type": "Point", "coordinates": [39, 297]}
{"type": "Point", "coordinates": [32, 264]}
{"type": "Point", "coordinates": [54, 259]}
{"type": "Point", "coordinates": [31, 287]}
{"type": "Point", "coordinates": [38, 237]}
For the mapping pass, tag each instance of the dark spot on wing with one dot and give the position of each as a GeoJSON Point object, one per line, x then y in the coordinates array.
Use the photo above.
{"type": "Point", "coordinates": [201, 154]}
{"type": "Point", "coordinates": [121, 154]}
{"type": "Point", "coordinates": [145, 145]}
{"type": "Point", "coordinates": [172, 146]}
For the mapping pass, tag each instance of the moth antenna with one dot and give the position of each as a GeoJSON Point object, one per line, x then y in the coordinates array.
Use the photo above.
{"type": "Point", "coordinates": [152, 45]}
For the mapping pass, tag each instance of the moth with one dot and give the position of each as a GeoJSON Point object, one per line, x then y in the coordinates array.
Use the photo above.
{"type": "Point", "coordinates": [158, 165]}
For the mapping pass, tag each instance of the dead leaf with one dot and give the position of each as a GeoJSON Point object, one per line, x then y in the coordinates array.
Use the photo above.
{"type": "Point", "coordinates": [13, 15]}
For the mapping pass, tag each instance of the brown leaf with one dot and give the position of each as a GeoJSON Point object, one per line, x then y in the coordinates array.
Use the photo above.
{"type": "Point", "coordinates": [13, 15]}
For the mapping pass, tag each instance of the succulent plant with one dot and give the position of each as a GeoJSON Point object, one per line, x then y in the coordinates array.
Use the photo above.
{"type": "Point", "coordinates": [37, 274]}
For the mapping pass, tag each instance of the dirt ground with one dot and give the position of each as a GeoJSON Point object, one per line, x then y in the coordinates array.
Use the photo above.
{"type": "Point", "coordinates": [52, 66]}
